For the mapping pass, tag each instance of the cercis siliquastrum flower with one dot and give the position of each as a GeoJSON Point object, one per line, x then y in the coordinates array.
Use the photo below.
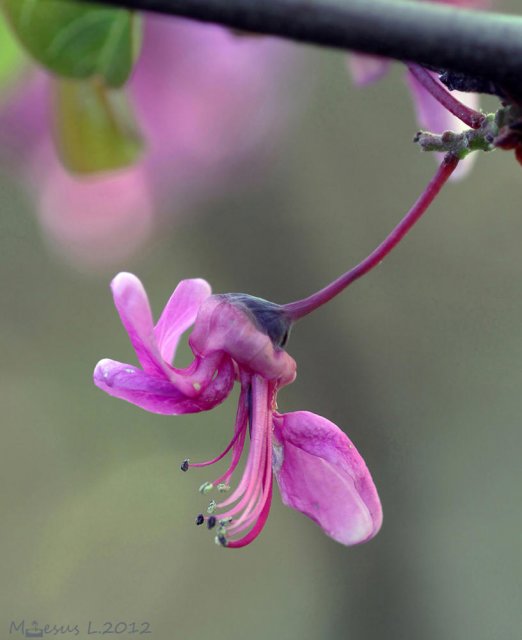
{"type": "Point", "coordinates": [240, 338]}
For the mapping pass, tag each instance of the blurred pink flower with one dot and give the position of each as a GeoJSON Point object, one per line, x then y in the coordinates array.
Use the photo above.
{"type": "Point", "coordinates": [431, 115]}
{"type": "Point", "coordinates": [239, 337]}
{"type": "Point", "coordinates": [205, 100]}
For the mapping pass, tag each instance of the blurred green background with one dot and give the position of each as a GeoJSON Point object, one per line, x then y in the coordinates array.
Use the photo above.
{"type": "Point", "coordinates": [420, 364]}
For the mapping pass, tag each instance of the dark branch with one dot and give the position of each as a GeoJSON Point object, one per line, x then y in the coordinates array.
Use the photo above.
{"type": "Point", "coordinates": [478, 44]}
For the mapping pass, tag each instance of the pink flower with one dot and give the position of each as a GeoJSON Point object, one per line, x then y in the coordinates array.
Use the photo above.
{"type": "Point", "coordinates": [205, 100]}
{"type": "Point", "coordinates": [241, 338]}
{"type": "Point", "coordinates": [431, 115]}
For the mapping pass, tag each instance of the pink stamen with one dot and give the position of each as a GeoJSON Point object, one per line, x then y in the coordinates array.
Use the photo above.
{"type": "Point", "coordinates": [236, 457]}
{"type": "Point", "coordinates": [255, 486]}
{"type": "Point", "coordinates": [253, 492]}
{"type": "Point", "coordinates": [259, 418]}
{"type": "Point", "coordinates": [243, 504]}
{"type": "Point", "coordinates": [243, 412]}
{"type": "Point", "coordinates": [239, 429]}
{"type": "Point", "coordinates": [251, 515]}
{"type": "Point", "coordinates": [256, 530]}
{"type": "Point", "coordinates": [207, 463]}
{"type": "Point", "coordinates": [249, 504]}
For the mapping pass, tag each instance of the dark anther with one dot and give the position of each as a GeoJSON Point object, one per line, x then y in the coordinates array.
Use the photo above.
{"type": "Point", "coordinates": [185, 465]}
{"type": "Point", "coordinates": [222, 540]}
{"type": "Point", "coordinates": [200, 519]}
{"type": "Point", "coordinates": [211, 522]}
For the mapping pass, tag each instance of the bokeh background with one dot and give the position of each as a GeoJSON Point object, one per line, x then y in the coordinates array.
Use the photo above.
{"type": "Point", "coordinates": [420, 364]}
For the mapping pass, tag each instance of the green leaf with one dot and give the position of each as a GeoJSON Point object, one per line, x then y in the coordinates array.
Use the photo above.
{"type": "Point", "coordinates": [94, 128]}
{"type": "Point", "coordinates": [77, 40]}
{"type": "Point", "coordinates": [12, 58]}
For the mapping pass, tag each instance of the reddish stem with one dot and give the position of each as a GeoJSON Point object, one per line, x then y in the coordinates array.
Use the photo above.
{"type": "Point", "coordinates": [468, 116]}
{"type": "Point", "coordinates": [301, 308]}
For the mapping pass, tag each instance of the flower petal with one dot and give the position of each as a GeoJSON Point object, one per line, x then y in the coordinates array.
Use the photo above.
{"type": "Point", "coordinates": [134, 385]}
{"type": "Point", "coordinates": [366, 69]}
{"type": "Point", "coordinates": [179, 314]}
{"type": "Point", "coordinates": [133, 306]}
{"type": "Point", "coordinates": [321, 474]}
{"type": "Point", "coordinates": [157, 394]}
{"type": "Point", "coordinates": [222, 326]}
{"type": "Point", "coordinates": [97, 221]}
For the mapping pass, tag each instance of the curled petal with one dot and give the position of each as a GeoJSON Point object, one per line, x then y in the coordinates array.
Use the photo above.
{"type": "Point", "coordinates": [133, 306]}
{"type": "Point", "coordinates": [158, 394]}
{"type": "Point", "coordinates": [179, 314]}
{"type": "Point", "coordinates": [321, 474]}
{"type": "Point", "coordinates": [129, 383]}
{"type": "Point", "coordinates": [221, 326]}
{"type": "Point", "coordinates": [219, 387]}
